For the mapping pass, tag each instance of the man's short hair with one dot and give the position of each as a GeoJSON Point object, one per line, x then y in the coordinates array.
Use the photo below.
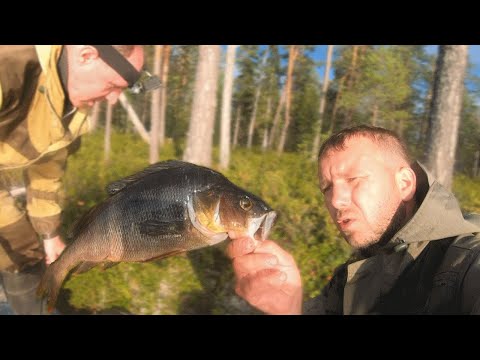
{"type": "Point", "coordinates": [383, 137]}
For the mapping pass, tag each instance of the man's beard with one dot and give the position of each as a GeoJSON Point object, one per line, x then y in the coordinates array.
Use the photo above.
{"type": "Point", "coordinates": [396, 223]}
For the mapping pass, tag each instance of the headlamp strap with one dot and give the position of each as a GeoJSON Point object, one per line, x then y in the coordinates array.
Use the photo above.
{"type": "Point", "coordinates": [118, 63]}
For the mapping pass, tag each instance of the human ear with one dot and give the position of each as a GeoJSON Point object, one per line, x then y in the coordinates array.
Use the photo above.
{"type": "Point", "coordinates": [87, 54]}
{"type": "Point", "coordinates": [406, 183]}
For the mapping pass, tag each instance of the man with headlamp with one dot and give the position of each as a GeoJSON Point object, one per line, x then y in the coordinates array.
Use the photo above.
{"type": "Point", "coordinates": [46, 92]}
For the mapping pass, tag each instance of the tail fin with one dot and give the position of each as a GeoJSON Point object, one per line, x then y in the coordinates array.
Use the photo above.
{"type": "Point", "coordinates": [52, 281]}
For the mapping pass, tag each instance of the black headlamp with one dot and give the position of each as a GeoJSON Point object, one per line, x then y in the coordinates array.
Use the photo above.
{"type": "Point", "coordinates": [138, 82]}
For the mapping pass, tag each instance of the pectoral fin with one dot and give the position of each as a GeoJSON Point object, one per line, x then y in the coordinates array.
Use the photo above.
{"type": "Point", "coordinates": [157, 228]}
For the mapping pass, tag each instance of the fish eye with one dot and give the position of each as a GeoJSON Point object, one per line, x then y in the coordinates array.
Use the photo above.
{"type": "Point", "coordinates": [246, 203]}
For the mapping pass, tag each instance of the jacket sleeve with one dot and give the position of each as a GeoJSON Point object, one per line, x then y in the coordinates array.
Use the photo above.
{"type": "Point", "coordinates": [45, 193]}
{"type": "Point", "coordinates": [330, 301]}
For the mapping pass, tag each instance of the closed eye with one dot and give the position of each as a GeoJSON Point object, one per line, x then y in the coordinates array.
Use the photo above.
{"type": "Point", "coordinates": [325, 189]}
{"type": "Point", "coordinates": [352, 179]}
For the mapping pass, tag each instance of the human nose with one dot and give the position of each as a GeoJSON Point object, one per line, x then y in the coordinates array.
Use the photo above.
{"type": "Point", "coordinates": [340, 196]}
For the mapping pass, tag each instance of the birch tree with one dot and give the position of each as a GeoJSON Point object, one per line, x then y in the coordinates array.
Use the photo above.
{"type": "Point", "coordinates": [225, 124]}
{"type": "Point", "coordinates": [163, 92]}
{"type": "Point", "coordinates": [200, 133]}
{"type": "Point", "coordinates": [326, 80]}
{"type": "Point", "coordinates": [293, 54]}
{"type": "Point", "coordinates": [155, 107]}
{"type": "Point", "coordinates": [445, 111]}
{"type": "Point", "coordinates": [108, 133]}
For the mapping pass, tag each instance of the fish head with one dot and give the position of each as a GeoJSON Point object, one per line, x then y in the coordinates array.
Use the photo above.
{"type": "Point", "coordinates": [221, 209]}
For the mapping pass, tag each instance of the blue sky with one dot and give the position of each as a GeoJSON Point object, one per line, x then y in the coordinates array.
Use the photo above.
{"type": "Point", "coordinates": [320, 53]}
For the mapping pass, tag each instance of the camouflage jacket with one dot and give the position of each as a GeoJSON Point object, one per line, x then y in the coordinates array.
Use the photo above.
{"type": "Point", "coordinates": [34, 135]}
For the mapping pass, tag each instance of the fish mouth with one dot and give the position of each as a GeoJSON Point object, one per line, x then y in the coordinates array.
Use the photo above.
{"type": "Point", "coordinates": [259, 228]}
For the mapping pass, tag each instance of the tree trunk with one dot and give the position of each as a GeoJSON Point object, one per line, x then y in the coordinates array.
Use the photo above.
{"type": "Point", "coordinates": [95, 115]}
{"type": "Point", "coordinates": [225, 126]}
{"type": "Point", "coordinates": [276, 118]}
{"type": "Point", "coordinates": [265, 128]}
{"type": "Point", "coordinates": [200, 133]}
{"type": "Point", "coordinates": [326, 79]}
{"type": "Point", "coordinates": [347, 76]}
{"type": "Point", "coordinates": [108, 132]}
{"type": "Point", "coordinates": [445, 111]}
{"type": "Point", "coordinates": [476, 163]}
{"type": "Point", "coordinates": [265, 140]}
{"type": "Point", "coordinates": [163, 103]}
{"type": "Point", "coordinates": [133, 117]}
{"type": "Point", "coordinates": [253, 118]}
{"type": "Point", "coordinates": [288, 96]}
{"type": "Point", "coordinates": [375, 115]}
{"type": "Point", "coordinates": [352, 77]}
{"type": "Point", "coordinates": [237, 128]}
{"type": "Point", "coordinates": [155, 107]}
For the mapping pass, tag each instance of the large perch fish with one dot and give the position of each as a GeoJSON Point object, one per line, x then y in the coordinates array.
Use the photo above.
{"type": "Point", "coordinates": [168, 208]}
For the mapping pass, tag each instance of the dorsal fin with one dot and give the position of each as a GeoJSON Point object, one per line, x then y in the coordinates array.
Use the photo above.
{"type": "Point", "coordinates": [118, 185]}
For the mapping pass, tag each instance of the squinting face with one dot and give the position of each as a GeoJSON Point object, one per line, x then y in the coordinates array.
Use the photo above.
{"type": "Point", "coordinates": [360, 191]}
{"type": "Point", "coordinates": [91, 80]}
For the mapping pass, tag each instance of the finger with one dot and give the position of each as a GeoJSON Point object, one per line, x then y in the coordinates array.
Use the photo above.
{"type": "Point", "coordinates": [232, 234]}
{"type": "Point", "coordinates": [253, 263]}
{"type": "Point", "coordinates": [270, 247]}
{"type": "Point", "coordinates": [239, 247]}
{"type": "Point", "coordinates": [263, 283]}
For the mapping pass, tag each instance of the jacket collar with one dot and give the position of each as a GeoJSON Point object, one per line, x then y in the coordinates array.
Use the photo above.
{"type": "Point", "coordinates": [438, 217]}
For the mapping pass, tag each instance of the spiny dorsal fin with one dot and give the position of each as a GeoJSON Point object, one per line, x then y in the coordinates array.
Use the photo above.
{"type": "Point", "coordinates": [118, 185]}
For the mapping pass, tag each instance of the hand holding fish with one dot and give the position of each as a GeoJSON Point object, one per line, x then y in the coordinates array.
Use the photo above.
{"type": "Point", "coordinates": [267, 276]}
{"type": "Point", "coordinates": [53, 248]}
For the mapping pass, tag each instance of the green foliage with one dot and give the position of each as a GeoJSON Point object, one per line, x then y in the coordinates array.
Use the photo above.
{"type": "Point", "coordinates": [305, 104]}
{"type": "Point", "coordinates": [383, 83]}
{"type": "Point", "coordinates": [469, 136]}
{"type": "Point", "coordinates": [248, 64]}
{"type": "Point", "coordinates": [467, 191]}
{"type": "Point", "coordinates": [181, 81]}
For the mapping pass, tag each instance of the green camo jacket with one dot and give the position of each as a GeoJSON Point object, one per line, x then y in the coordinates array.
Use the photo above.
{"type": "Point", "coordinates": [33, 134]}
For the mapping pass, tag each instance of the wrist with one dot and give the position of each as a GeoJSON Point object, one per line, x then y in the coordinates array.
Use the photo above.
{"type": "Point", "coordinates": [49, 236]}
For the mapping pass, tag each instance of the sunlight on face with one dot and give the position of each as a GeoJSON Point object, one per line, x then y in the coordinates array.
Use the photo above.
{"type": "Point", "coordinates": [91, 79]}
{"type": "Point", "coordinates": [360, 190]}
